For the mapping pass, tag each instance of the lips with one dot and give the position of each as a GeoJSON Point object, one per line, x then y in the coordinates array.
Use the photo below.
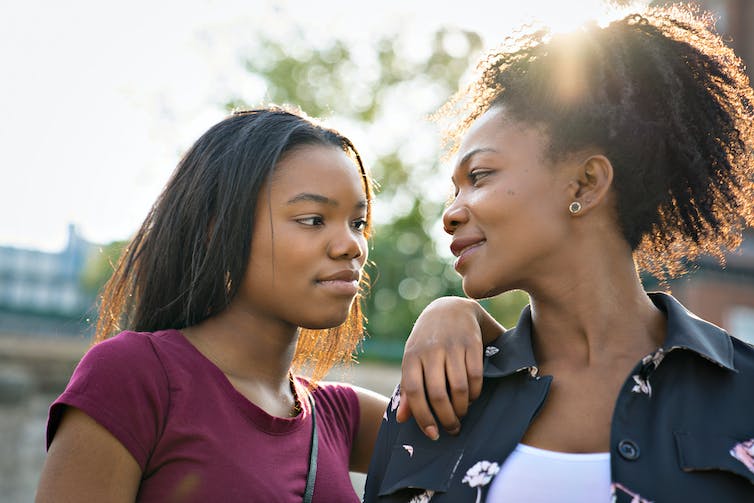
{"type": "Point", "coordinates": [341, 283]}
{"type": "Point", "coordinates": [344, 275]}
{"type": "Point", "coordinates": [460, 245]}
{"type": "Point", "coordinates": [464, 248]}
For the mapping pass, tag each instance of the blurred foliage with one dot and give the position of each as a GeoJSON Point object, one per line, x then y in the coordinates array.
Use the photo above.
{"type": "Point", "coordinates": [363, 88]}
{"type": "Point", "coordinates": [100, 267]}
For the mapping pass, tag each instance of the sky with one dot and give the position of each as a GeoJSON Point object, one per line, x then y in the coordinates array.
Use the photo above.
{"type": "Point", "coordinates": [100, 99]}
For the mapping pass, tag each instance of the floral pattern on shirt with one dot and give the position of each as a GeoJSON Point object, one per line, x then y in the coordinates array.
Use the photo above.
{"type": "Point", "coordinates": [422, 497]}
{"type": "Point", "coordinates": [649, 364]}
{"type": "Point", "coordinates": [642, 385]}
{"type": "Point", "coordinates": [480, 475]}
{"type": "Point", "coordinates": [395, 401]}
{"type": "Point", "coordinates": [635, 498]}
{"type": "Point", "coordinates": [744, 452]}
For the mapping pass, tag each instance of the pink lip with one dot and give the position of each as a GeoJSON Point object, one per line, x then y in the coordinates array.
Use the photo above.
{"type": "Point", "coordinates": [464, 252]}
{"type": "Point", "coordinates": [460, 244]}
{"type": "Point", "coordinates": [345, 282]}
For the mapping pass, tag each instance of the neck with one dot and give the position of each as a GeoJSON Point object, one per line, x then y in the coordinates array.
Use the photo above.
{"type": "Point", "coordinates": [247, 347]}
{"type": "Point", "coordinates": [595, 314]}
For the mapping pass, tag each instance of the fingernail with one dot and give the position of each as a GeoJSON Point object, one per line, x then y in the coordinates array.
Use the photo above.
{"type": "Point", "coordinates": [455, 430]}
{"type": "Point", "coordinates": [431, 432]}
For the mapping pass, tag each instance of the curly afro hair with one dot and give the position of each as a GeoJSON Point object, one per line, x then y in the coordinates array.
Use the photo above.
{"type": "Point", "coordinates": [668, 103]}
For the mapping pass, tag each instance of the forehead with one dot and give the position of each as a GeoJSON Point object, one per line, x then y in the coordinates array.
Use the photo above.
{"type": "Point", "coordinates": [317, 168]}
{"type": "Point", "coordinates": [497, 133]}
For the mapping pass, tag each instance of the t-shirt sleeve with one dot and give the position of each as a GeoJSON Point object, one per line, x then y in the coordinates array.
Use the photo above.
{"type": "Point", "coordinates": [345, 407]}
{"type": "Point", "coordinates": [121, 384]}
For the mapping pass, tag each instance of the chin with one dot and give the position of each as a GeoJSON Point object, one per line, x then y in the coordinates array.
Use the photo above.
{"type": "Point", "coordinates": [324, 322]}
{"type": "Point", "coordinates": [480, 291]}
{"type": "Point", "coordinates": [472, 290]}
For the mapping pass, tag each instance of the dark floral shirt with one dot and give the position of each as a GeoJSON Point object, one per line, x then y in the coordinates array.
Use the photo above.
{"type": "Point", "coordinates": [682, 428]}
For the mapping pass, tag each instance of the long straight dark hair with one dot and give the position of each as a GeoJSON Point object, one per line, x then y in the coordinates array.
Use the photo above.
{"type": "Point", "coordinates": [187, 260]}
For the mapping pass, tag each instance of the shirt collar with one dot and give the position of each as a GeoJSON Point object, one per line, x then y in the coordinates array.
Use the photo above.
{"type": "Point", "coordinates": [684, 331]}
{"type": "Point", "coordinates": [687, 331]}
{"type": "Point", "coordinates": [514, 350]}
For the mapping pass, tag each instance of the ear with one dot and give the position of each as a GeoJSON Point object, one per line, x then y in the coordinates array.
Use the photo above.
{"type": "Point", "coordinates": [591, 183]}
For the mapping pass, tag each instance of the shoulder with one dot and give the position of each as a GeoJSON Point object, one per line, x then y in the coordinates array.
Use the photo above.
{"type": "Point", "coordinates": [332, 390]}
{"type": "Point", "coordinates": [122, 385]}
{"type": "Point", "coordinates": [743, 356]}
{"type": "Point", "coordinates": [119, 350]}
{"type": "Point", "coordinates": [347, 396]}
{"type": "Point", "coordinates": [128, 355]}
{"type": "Point", "coordinates": [336, 399]}
{"type": "Point", "coordinates": [126, 343]}
{"type": "Point", "coordinates": [129, 360]}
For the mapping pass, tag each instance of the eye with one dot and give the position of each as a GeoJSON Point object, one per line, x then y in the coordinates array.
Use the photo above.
{"type": "Point", "coordinates": [312, 221]}
{"type": "Point", "coordinates": [477, 174]}
{"type": "Point", "coordinates": [360, 224]}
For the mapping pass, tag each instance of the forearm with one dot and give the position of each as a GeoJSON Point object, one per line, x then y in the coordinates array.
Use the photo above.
{"type": "Point", "coordinates": [488, 325]}
{"type": "Point", "coordinates": [443, 362]}
{"type": "Point", "coordinates": [445, 307]}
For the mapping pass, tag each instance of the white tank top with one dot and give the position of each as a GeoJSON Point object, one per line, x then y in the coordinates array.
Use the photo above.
{"type": "Point", "coordinates": [533, 475]}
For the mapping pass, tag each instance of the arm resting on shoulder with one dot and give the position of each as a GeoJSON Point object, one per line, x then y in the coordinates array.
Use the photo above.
{"type": "Point", "coordinates": [445, 352]}
{"type": "Point", "coordinates": [86, 463]}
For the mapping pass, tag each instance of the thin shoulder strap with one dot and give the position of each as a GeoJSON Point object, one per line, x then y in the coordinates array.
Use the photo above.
{"type": "Point", "coordinates": [312, 475]}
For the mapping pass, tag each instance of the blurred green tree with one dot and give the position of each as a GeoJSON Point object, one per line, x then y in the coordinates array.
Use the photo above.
{"type": "Point", "coordinates": [378, 95]}
{"type": "Point", "coordinates": [100, 266]}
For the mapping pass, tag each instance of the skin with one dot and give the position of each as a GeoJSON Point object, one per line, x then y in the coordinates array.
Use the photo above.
{"type": "Point", "coordinates": [512, 229]}
{"type": "Point", "coordinates": [311, 220]}
{"type": "Point", "coordinates": [445, 346]}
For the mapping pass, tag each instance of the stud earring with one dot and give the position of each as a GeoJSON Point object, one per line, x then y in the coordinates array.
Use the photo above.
{"type": "Point", "coordinates": [574, 207]}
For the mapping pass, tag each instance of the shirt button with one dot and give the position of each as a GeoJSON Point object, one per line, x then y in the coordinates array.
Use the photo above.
{"type": "Point", "coordinates": [628, 450]}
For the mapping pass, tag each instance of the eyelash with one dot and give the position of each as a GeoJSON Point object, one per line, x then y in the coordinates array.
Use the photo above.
{"type": "Point", "coordinates": [475, 174]}
{"type": "Point", "coordinates": [359, 224]}
{"type": "Point", "coordinates": [314, 221]}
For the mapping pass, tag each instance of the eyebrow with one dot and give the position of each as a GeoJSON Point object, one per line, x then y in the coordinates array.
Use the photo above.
{"type": "Point", "coordinates": [468, 155]}
{"type": "Point", "coordinates": [319, 198]}
{"type": "Point", "coordinates": [308, 196]}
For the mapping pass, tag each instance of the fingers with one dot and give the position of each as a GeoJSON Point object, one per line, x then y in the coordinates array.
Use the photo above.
{"type": "Point", "coordinates": [474, 371]}
{"type": "Point", "coordinates": [413, 398]}
{"type": "Point", "coordinates": [411, 377]}
{"type": "Point", "coordinates": [455, 368]}
{"type": "Point", "coordinates": [464, 369]}
{"type": "Point", "coordinates": [403, 413]}
{"type": "Point", "coordinates": [442, 365]}
{"type": "Point", "coordinates": [436, 383]}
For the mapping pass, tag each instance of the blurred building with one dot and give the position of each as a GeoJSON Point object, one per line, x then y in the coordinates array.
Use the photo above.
{"type": "Point", "coordinates": [721, 294]}
{"type": "Point", "coordinates": [42, 292]}
{"type": "Point", "coordinates": [736, 19]}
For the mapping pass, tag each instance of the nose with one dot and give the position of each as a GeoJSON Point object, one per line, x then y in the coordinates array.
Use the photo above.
{"type": "Point", "coordinates": [455, 215]}
{"type": "Point", "coordinates": [348, 244]}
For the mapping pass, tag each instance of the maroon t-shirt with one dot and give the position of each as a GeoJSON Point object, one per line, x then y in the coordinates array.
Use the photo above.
{"type": "Point", "coordinates": [195, 437]}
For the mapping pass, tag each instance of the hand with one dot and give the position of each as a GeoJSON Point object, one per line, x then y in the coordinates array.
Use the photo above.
{"type": "Point", "coordinates": [444, 352]}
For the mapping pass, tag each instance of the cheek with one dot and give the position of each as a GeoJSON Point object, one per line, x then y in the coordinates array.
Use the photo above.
{"type": "Point", "coordinates": [496, 206]}
{"type": "Point", "coordinates": [364, 244]}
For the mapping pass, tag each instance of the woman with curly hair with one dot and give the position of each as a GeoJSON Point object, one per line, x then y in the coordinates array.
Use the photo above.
{"type": "Point", "coordinates": [582, 159]}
